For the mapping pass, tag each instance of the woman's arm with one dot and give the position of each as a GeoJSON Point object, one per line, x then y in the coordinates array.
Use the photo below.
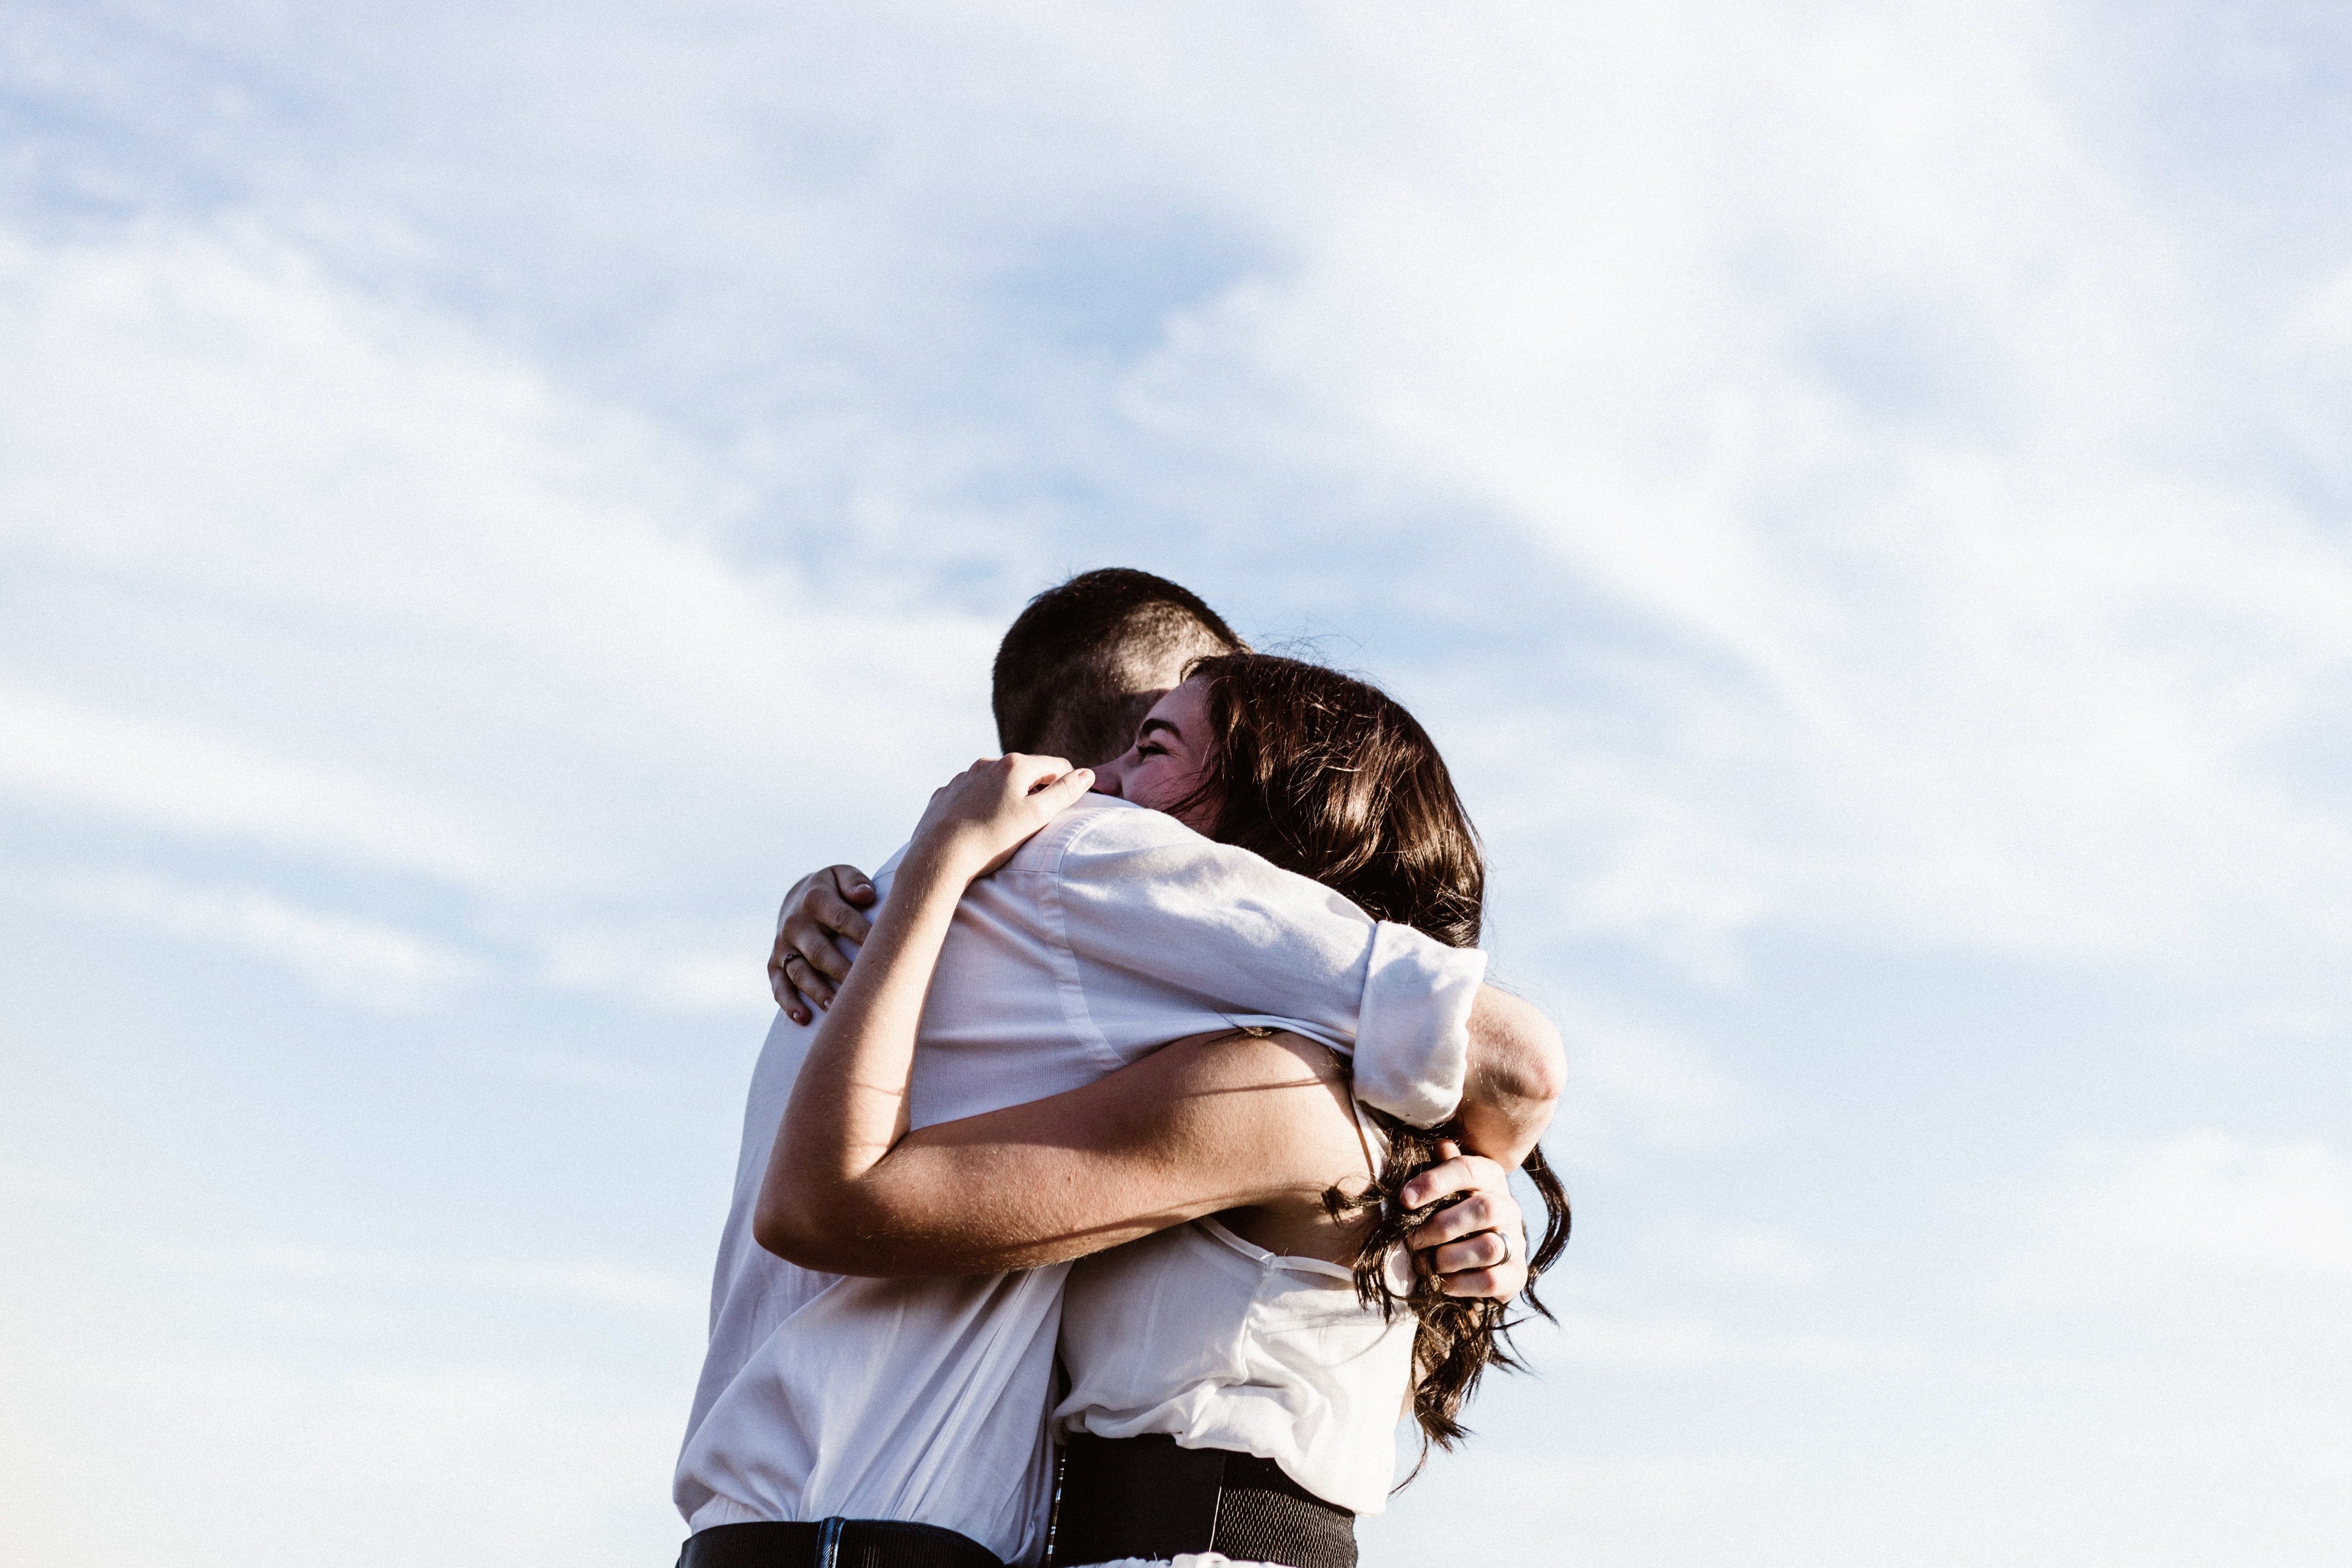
{"type": "Point", "coordinates": [1199, 1127]}
{"type": "Point", "coordinates": [849, 1102]}
{"type": "Point", "coordinates": [1207, 1125]}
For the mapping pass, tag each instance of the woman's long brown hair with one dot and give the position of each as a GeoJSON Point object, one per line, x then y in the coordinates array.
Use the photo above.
{"type": "Point", "coordinates": [1331, 778]}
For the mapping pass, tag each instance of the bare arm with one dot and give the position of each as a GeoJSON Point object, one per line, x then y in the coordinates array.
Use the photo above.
{"type": "Point", "coordinates": [1516, 1075]}
{"type": "Point", "coordinates": [849, 1103]}
{"type": "Point", "coordinates": [1149, 1146]}
{"type": "Point", "coordinates": [1214, 1124]}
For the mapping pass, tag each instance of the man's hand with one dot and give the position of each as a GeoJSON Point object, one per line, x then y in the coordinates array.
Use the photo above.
{"type": "Point", "coordinates": [807, 965]}
{"type": "Point", "coordinates": [1480, 1245]}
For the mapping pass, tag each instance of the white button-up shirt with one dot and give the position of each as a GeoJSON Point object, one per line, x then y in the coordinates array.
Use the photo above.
{"type": "Point", "coordinates": [1111, 932]}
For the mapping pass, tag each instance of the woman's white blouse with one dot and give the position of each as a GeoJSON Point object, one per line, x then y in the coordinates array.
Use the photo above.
{"type": "Point", "coordinates": [1194, 1333]}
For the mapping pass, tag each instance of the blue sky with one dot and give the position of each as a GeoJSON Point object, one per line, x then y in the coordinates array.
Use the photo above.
{"type": "Point", "coordinates": [487, 497]}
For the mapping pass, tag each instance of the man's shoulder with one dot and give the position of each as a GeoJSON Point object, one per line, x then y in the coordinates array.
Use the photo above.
{"type": "Point", "coordinates": [1105, 842]}
{"type": "Point", "coordinates": [1101, 825]}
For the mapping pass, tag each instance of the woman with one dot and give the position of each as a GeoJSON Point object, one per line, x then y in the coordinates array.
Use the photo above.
{"type": "Point", "coordinates": [1255, 1412]}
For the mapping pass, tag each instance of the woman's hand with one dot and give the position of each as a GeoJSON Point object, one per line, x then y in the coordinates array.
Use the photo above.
{"type": "Point", "coordinates": [849, 1108]}
{"type": "Point", "coordinates": [1480, 1245]}
{"type": "Point", "coordinates": [978, 818]}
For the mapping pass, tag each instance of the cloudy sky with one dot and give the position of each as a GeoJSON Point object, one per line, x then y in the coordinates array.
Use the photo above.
{"type": "Point", "coordinates": [488, 494]}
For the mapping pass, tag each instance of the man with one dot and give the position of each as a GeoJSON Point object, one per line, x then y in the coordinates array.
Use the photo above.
{"type": "Point", "coordinates": [827, 1401]}
{"type": "Point", "coordinates": [1075, 675]}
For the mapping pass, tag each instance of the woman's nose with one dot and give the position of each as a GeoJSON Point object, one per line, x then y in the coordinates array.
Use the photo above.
{"type": "Point", "coordinates": [1107, 779]}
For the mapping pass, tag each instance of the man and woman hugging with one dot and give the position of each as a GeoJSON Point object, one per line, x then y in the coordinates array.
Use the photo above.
{"type": "Point", "coordinates": [1130, 1152]}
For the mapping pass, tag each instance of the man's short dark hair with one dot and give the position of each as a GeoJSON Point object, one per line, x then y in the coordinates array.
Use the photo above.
{"type": "Point", "coordinates": [1064, 681]}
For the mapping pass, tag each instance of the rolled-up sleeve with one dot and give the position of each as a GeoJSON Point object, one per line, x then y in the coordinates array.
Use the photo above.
{"type": "Point", "coordinates": [1412, 1039]}
{"type": "Point", "coordinates": [1166, 933]}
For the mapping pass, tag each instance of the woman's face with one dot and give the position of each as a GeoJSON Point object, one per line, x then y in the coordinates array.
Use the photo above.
{"type": "Point", "coordinates": [1170, 753]}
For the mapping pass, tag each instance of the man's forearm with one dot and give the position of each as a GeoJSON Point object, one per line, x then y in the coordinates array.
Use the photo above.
{"type": "Point", "coordinates": [1516, 1074]}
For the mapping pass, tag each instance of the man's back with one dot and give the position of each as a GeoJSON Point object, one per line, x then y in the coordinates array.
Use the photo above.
{"type": "Point", "coordinates": [1107, 935]}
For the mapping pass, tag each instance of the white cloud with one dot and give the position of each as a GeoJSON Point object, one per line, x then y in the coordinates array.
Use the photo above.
{"type": "Point", "coordinates": [251, 1460]}
{"type": "Point", "coordinates": [588, 1281]}
{"type": "Point", "coordinates": [1844, 355]}
{"type": "Point", "coordinates": [600, 1284]}
{"type": "Point", "coordinates": [581, 1072]}
{"type": "Point", "coordinates": [1739, 1254]}
{"type": "Point", "coordinates": [154, 772]}
{"type": "Point", "coordinates": [274, 518]}
{"type": "Point", "coordinates": [702, 967]}
{"type": "Point", "coordinates": [1961, 622]}
{"type": "Point", "coordinates": [366, 961]}
{"type": "Point", "coordinates": [1610, 1324]}
{"type": "Point", "coordinates": [2210, 1198]}
{"type": "Point", "coordinates": [1633, 1086]}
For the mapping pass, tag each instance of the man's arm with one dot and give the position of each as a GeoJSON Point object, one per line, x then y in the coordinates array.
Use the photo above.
{"type": "Point", "coordinates": [1515, 1070]}
{"type": "Point", "coordinates": [806, 966]}
{"type": "Point", "coordinates": [1516, 1074]}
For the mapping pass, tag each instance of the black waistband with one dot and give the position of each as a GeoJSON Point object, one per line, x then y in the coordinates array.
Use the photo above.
{"type": "Point", "coordinates": [833, 1544]}
{"type": "Point", "coordinates": [1145, 1497]}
